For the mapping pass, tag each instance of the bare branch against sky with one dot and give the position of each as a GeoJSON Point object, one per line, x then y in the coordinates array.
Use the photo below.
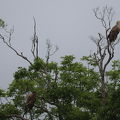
{"type": "Point", "coordinates": [67, 23]}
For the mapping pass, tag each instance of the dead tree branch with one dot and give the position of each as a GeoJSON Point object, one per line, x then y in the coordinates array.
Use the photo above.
{"type": "Point", "coordinates": [105, 16]}
{"type": "Point", "coordinates": [105, 50]}
{"type": "Point", "coordinates": [34, 48]}
{"type": "Point", "coordinates": [8, 43]}
{"type": "Point", "coordinates": [50, 50]}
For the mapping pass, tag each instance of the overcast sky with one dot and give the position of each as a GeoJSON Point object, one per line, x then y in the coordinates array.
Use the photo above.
{"type": "Point", "coordinates": [67, 23]}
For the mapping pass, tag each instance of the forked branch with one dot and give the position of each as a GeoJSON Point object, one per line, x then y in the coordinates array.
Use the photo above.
{"type": "Point", "coordinates": [51, 50]}
{"type": "Point", "coordinates": [105, 49]}
{"type": "Point", "coordinates": [8, 43]}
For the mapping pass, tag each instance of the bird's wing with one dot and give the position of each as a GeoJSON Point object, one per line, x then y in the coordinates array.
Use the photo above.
{"type": "Point", "coordinates": [29, 97]}
{"type": "Point", "coordinates": [114, 32]}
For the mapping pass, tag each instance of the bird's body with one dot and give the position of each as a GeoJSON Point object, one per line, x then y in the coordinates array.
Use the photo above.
{"type": "Point", "coordinates": [114, 32]}
{"type": "Point", "coordinates": [31, 98]}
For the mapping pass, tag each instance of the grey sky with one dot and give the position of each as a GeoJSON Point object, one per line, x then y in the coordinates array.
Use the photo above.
{"type": "Point", "coordinates": [67, 23]}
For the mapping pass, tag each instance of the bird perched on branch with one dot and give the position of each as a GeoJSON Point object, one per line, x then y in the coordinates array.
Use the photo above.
{"type": "Point", "coordinates": [114, 32]}
{"type": "Point", "coordinates": [31, 98]}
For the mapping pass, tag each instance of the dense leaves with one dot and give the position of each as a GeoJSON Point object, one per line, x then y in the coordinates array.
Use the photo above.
{"type": "Point", "coordinates": [68, 91]}
{"type": "Point", "coordinates": [2, 23]}
{"type": "Point", "coordinates": [65, 91]}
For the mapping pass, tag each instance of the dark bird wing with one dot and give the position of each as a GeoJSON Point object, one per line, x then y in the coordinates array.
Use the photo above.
{"type": "Point", "coordinates": [113, 34]}
{"type": "Point", "coordinates": [29, 97]}
{"type": "Point", "coordinates": [30, 101]}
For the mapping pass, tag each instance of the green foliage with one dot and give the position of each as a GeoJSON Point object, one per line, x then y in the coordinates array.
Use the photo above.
{"type": "Point", "coordinates": [38, 65]}
{"type": "Point", "coordinates": [7, 109]}
{"type": "Point", "coordinates": [67, 91]}
{"type": "Point", "coordinates": [2, 23]}
{"type": "Point", "coordinates": [77, 114]}
{"type": "Point", "coordinates": [89, 60]}
{"type": "Point", "coordinates": [2, 93]}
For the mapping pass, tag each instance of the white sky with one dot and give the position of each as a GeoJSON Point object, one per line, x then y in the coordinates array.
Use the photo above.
{"type": "Point", "coordinates": [67, 23]}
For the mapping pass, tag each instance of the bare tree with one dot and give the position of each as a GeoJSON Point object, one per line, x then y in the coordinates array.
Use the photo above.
{"type": "Point", "coordinates": [51, 50]}
{"type": "Point", "coordinates": [7, 38]}
{"type": "Point", "coordinates": [105, 50]}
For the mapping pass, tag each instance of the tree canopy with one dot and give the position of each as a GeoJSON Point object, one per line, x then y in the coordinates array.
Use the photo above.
{"type": "Point", "coordinates": [70, 89]}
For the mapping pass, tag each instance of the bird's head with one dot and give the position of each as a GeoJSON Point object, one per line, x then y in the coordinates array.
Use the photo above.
{"type": "Point", "coordinates": [34, 93]}
{"type": "Point", "coordinates": [118, 24]}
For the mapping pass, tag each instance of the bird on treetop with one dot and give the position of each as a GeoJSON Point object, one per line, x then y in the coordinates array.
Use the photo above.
{"type": "Point", "coordinates": [31, 98]}
{"type": "Point", "coordinates": [112, 36]}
